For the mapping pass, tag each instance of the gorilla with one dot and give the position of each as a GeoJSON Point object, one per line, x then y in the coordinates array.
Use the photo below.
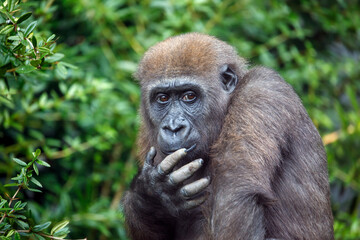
{"type": "Point", "coordinates": [226, 152]}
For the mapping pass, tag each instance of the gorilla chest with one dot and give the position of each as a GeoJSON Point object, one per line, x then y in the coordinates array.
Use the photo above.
{"type": "Point", "coordinates": [191, 226]}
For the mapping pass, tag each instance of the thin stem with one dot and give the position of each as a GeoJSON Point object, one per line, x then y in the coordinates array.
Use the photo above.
{"type": "Point", "coordinates": [13, 197]}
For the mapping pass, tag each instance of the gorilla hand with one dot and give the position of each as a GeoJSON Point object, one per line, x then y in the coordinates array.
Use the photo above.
{"type": "Point", "coordinates": [166, 186]}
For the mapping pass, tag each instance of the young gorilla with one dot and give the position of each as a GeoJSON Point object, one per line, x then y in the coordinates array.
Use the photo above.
{"type": "Point", "coordinates": [235, 154]}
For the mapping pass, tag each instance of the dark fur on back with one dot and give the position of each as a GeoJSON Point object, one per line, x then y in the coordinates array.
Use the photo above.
{"type": "Point", "coordinates": [272, 156]}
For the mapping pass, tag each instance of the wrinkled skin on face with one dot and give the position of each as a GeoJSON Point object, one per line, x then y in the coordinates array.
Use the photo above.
{"type": "Point", "coordinates": [176, 111]}
{"type": "Point", "coordinates": [179, 107]}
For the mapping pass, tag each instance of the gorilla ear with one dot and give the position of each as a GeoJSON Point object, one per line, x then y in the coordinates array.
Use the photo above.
{"type": "Point", "coordinates": [228, 78]}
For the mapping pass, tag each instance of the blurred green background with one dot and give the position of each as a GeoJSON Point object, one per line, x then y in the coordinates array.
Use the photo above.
{"type": "Point", "coordinates": [85, 119]}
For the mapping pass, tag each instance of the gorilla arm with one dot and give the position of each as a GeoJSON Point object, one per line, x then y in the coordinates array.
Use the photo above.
{"type": "Point", "coordinates": [158, 196]}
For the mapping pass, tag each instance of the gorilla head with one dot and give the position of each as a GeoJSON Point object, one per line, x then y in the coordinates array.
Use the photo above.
{"type": "Point", "coordinates": [186, 85]}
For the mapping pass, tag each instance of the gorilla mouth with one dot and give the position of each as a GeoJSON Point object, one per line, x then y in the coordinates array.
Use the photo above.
{"type": "Point", "coordinates": [192, 147]}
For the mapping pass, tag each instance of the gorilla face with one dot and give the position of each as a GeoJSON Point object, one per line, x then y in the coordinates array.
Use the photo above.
{"type": "Point", "coordinates": [180, 107]}
{"type": "Point", "coordinates": [176, 110]}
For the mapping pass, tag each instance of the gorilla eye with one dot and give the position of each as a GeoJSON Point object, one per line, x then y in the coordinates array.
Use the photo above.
{"type": "Point", "coordinates": [189, 97]}
{"type": "Point", "coordinates": [162, 98]}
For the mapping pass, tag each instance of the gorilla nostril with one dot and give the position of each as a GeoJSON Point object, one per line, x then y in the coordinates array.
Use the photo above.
{"type": "Point", "coordinates": [174, 129]}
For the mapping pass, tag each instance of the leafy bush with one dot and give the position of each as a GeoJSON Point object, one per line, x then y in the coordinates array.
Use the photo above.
{"type": "Point", "coordinates": [15, 221]}
{"type": "Point", "coordinates": [85, 120]}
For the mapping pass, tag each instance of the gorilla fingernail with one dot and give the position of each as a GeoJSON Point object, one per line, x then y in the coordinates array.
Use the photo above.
{"type": "Point", "coordinates": [190, 148]}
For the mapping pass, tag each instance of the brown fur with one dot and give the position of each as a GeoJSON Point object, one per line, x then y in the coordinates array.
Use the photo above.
{"type": "Point", "coordinates": [267, 161]}
{"type": "Point", "coordinates": [187, 55]}
{"type": "Point", "coordinates": [269, 154]}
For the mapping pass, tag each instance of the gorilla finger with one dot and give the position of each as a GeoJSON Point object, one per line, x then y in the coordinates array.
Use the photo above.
{"type": "Point", "coordinates": [170, 161]}
{"type": "Point", "coordinates": [186, 171]}
{"type": "Point", "coordinates": [149, 161]}
{"type": "Point", "coordinates": [195, 202]}
{"type": "Point", "coordinates": [194, 187]}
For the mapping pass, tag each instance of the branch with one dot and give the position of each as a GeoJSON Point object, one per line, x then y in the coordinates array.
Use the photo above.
{"type": "Point", "coordinates": [11, 199]}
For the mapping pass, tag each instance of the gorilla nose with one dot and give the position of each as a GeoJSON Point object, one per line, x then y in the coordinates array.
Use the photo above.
{"type": "Point", "coordinates": [176, 127]}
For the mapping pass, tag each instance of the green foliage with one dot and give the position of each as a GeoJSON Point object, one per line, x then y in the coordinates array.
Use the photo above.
{"type": "Point", "coordinates": [15, 221]}
{"type": "Point", "coordinates": [22, 51]}
{"type": "Point", "coordinates": [84, 119]}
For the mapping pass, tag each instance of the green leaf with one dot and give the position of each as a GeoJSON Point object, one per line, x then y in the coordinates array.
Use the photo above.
{"type": "Point", "coordinates": [23, 205]}
{"type": "Point", "coordinates": [11, 4]}
{"type": "Point", "coordinates": [7, 29]}
{"type": "Point", "coordinates": [24, 17]}
{"type": "Point", "coordinates": [10, 17]}
{"type": "Point", "coordinates": [69, 65]}
{"type": "Point", "coordinates": [23, 225]}
{"type": "Point", "coordinates": [41, 43]}
{"type": "Point", "coordinates": [17, 204]}
{"type": "Point", "coordinates": [18, 177]}
{"type": "Point", "coordinates": [18, 47]}
{"type": "Point", "coordinates": [43, 163]}
{"type": "Point", "coordinates": [19, 216]}
{"type": "Point", "coordinates": [29, 173]}
{"type": "Point", "coordinates": [10, 233]}
{"type": "Point", "coordinates": [21, 35]}
{"type": "Point", "coordinates": [34, 190]}
{"type": "Point", "coordinates": [54, 58]}
{"type": "Point", "coordinates": [5, 209]}
{"type": "Point", "coordinates": [38, 237]}
{"type": "Point", "coordinates": [4, 49]}
{"type": "Point", "coordinates": [44, 50]}
{"type": "Point", "coordinates": [34, 41]}
{"type": "Point", "coordinates": [14, 38]}
{"type": "Point", "coordinates": [2, 203]}
{"type": "Point", "coordinates": [18, 161]}
{"type": "Point", "coordinates": [37, 153]}
{"type": "Point", "coordinates": [35, 182]}
{"type": "Point", "coordinates": [5, 226]}
{"type": "Point", "coordinates": [35, 63]}
{"type": "Point", "coordinates": [62, 233]}
{"type": "Point", "coordinates": [36, 169]}
{"type": "Point", "coordinates": [17, 236]}
{"type": "Point", "coordinates": [25, 180]}
{"type": "Point", "coordinates": [11, 185]}
{"type": "Point", "coordinates": [30, 28]}
{"type": "Point", "coordinates": [25, 69]}
{"type": "Point", "coordinates": [50, 38]}
{"type": "Point", "coordinates": [61, 70]}
{"type": "Point", "coordinates": [25, 43]}
{"type": "Point", "coordinates": [41, 227]}
{"type": "Point", "coordinates": [59, 226]}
